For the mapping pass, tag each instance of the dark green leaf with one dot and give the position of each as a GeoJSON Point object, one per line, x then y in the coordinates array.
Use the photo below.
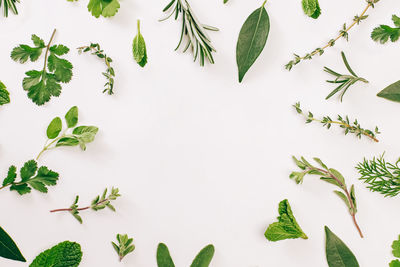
{"type": "Point", "coordinates": [65, 254]}
{"type": "Point", "coordinates": [203, 259]}
{"type": "Point", "coordinates": [8, 248]}
{"type": "Point", "coordinates": [337, 253]}
{"type": "Point", "coordinates": [54, 128]}
{"type": "Point", "coordinates": [394, 263]}
{"type": "Point", "coordinates": [139, 48]}
{"type": "Point", "coordinates": [392, 92]}
{"type": "Point", "coordinates": [28, 170]}
{"type": "Point", "coordinates": [163, 257]}
{"type": "Point", "coordinates": [11, 175]}
{"type": "Point", "coordinates": [4, 95]}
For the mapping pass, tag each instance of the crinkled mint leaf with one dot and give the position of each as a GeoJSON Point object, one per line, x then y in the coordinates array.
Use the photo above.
{"type": "Point", "coordinates": [65, 254]}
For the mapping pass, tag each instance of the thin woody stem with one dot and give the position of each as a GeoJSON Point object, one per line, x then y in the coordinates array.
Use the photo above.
{"type": "Point", "coordinates": [80, 209]}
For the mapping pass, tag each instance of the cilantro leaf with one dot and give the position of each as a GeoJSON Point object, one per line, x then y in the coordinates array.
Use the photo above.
{"type": "Point", "coordinates": [61, 68]}
{"type": "Point", "coordinates": [11, 175]}
{"type": "Point", "coordinates": [286, 227]}
{"type": "Point", "coordinates": [396, 248]}
{"type": "Point", "coordinates": [384, 32]}
{"type": "Point", "coordinates": [394, 263]}
{"type": "Point", "coordinates": [105, 8]}
{"type": "Point", "coordinates": [4, 94]}
{"type": "Point", "coordinates": [65, 254]}
{"type": "Point", "coordinates": [29, 170]}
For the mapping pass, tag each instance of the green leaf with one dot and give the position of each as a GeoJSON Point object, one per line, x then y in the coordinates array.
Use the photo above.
{"type": "Point", "coordinates": [392, 92]}
{"type": "Point", "coordinates": [203, 259]}
{"type": "Point", "coordinates": [65, 254]}
{"type": "Point", "coordinates": [139, 48]}
{"type": "Point", "coordinates": [59, 50]}
{"type": "Point", "coordinates": [41, 86]}
{"type": "Point", "coordinates": [8, 248]}
{"type": "Point", "coordinates": [311, 8]}
{"type": "Point", "coordinates": [163, 257]}
{"type": "Point", "coordinates": [339, 176]}
{"type": "Point", "coordinates": [286, 227]}
{"type": "Point", "coordinates": [105, 8]}
{"type": "Point", "coordinates": [4, 94]}
{"type": "Point", "coordinates": [23, 52]}
{"type": "Point", "coordinates": [396, 248]}
{"type": "Point", "coordinates": [61, 68]}
{"type": "Point", "coordinates": [72, 117]}
{"type": "Point", "coordinates": [11, 175]}
{"type": "Point", "coordinates": [54, 128]}
{"type": "Point", "coordinates": [394, 263]}
{"type": "Point", "coordinates": [384, 32]}
{"type": "Point", "coordinates": [43, 178]}
{"type": "Point", "coordinates": [252, 39]}
{"type": "Point", "coordinates": [337, 253]}
{"type": "Point", "coordinates": [67, 141]}
{"type": "Point", "coordinates": [343, 197]}
{"type": "Point", "coordinates": [28, 170]}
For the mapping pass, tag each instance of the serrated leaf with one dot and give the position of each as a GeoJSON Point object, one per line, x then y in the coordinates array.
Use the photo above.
{"type": "Point", "coordinates": [61, 68]}
{"type": "Point", "coordinates": [392, 92]}
{"type": "Point", "coordinates": [105, 8]}
{"type": "Point", "coordinates": [396, 248]}
{"type": "Point", "coordinates": [4, 95]}
{"type": "Point", "coordinates": [11, 175]}
{"type": "Point", "coordinates": [54, 128]}
{"type": "Point", "coordinates": [65, 254]}
{"type": "Point", "coordinates": [23, 53]}
{"type": "Point", "coordinates": [163, 257]}
{"type": "Point", "coordinates": [59, 50]}
{"type": "Point", "coordinates": [337, 253]}
{"type": "Point", "coordinates": [72, 117]}
{"type": "Point", "coordinates": [8, 248]}
{"type": "Point", "coordinates": [203, 259]}
{"type": "Point", "coordinates": [29, 170]}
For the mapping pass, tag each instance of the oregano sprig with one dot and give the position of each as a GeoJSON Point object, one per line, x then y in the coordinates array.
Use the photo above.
{"type": "Point", "coordinates": [124, 247]}
{"type": "Point", "coordinates": [109, 73]}
{"type": "Point", "coordinates": [9, 5]}
{"type": "Point", "coordinates": [343, 122]}
{"type": "Point", "coordinates": [331, 176]}
{"type": "Point", "coordinates": [343, 33]}
{"type": "Point", "coordinates": [98, 203]}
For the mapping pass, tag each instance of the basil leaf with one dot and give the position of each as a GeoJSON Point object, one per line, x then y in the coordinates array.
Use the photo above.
{"type": "Point", "coordinates": [8, 248]}
{"type": "Point", "coordinates": [337, 253]}
{"type": "Point", "coordinates": [311, 8]}
{"type": "Point", "coordinates": [252, 39]}
{"type": "Point", "coordinates": [163, 257]}
{"type": "Point", "coordinates": [392, 92]}
{"type": "Point", "coordinates": [203, 259]}
{"type": "Point", "coordinates": [139, 48]}
{"type": "Point", "coordinates": [54, 128]}
{"type": "Point", "coordinates": [72, 117]}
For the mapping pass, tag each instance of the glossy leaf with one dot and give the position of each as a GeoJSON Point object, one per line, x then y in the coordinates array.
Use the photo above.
{"type": "Point", "coordinates": [392, 92]}
{"type": "Point", "coordinates": [65, 254]}
{"type": "Point", "coordinates": [337, 253]}
{"type": "Point", "coordinates": [72, 117]}
{"type": "Point", "coordinates": [8, 248]}
{"type": "Point", "coordinates": [54, 128]}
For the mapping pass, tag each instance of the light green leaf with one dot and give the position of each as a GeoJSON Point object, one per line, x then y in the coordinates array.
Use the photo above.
{"type": "Point", "coordinates": [8, 248]}
{"type": "Point", "coordinates": [139, 48]}
{"type": "Point", "coordinates": [67, 141]}
{"type": "Point", "coordinates": [72, 117]}
{"type": "Point", "coordinates": [203, 259]}
{"type": "Point", "coordinates": [65, 254]}
{"type": "Point", "coordinates": [394, 263]}
{"type": "Point", "coordinates": [54, 128]}
{"type": "Point", "coordinates": [396, 248]}
{"type": "Point", "coordinates": [343, 197]}
{"type": "Point", "coordinates": [337, 253]}
{"type": "Point", "coordinates": [339, 176]}
{"type": "Point", "coordinates": [4, 94]}
{"type": "Point", "coordinates": [392, 92]}
{"type": "Point", "coordinates": [311, 8]}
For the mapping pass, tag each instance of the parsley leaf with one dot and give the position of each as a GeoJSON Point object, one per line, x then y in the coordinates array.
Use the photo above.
{"type": "Point", "coordinates": [396, 248]}
{"type": "Point", "coordinates": [286, 227]}
{"type": "Point", "coordinates": [4, 94]}
{"type": "Point", "coordinates": [105, 8]}
{"type": "Point", "coordinates": [384, 32]}
{"type": "Point", "coordinates": [65, 254]}
{"type": "Point", "coordinates": [41, 85]}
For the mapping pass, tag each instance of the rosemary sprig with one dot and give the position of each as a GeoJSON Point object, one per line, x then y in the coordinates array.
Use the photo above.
{"type": "Point", "coordinates": [344, 81]}
{"type": "Point", "coordinates": [331, 176]}
{"type": "Point", "coordinates": [197, 37]}
{"type": "Point", "coordinates": [381, 176]}
{"type": "Point", "coordinates": [9, 4]}
{"type": "Point", "coordinates": [98, 203]}
{"type": "Point", "coordinates": [343, 33]}
{"type": "Point", "coordinates": [343, 122]}
{"type": "Point", "coordinates": [109, 73]}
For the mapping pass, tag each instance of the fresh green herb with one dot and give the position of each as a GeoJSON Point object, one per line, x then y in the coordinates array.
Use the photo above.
{"type": "Point", "coordinates": [42, 85]}
{"type": "Point", "coordinates": [286, 227]}
{"type": "Point", "coordinates": [311, 8]}
{"type": "Point", "coordinates": [392, 92]}
{"type": "Point", "coordinates": [196, 32]}
{"type": "Point", "coordinates": [252, 39]}
{"type": "Point", "coordinates": [381, 176]}
{"type": "Point", "coordinates": [226, 1]}
{"type": "Point", "coordinates": [8, 248]}
{"type": "Point", "coordinates": [57, 137]}
{"type": "Point", "coordinates": [203, 258]}
{"type": "Point", "coordinates": [31, 177]}
{"type": "Point", "coordinates": [9, 4]}
{"type": "Point", "coordinates": [105, 8]}
{"type": "Point", "coordinates": [337, 253]}
{"type": "Point", "coordinates": [344, 81]}
{"type": "Point", "coordinates": [124, 246]}
{"type": "Point", "coordinates": [331, 176]}
{"type": "Point", "coordinates": [139, 48]}
{"type": "Point", "coordinates": [65, 254]}
{"type": "Point", "coordinates": [109, 73]}
{"type": "Point", "coordinates": [4, 94]}
{"type": "Point", "coordinates": [396, 253]}
{"type": "Point", "coordinates": [99, 203]}
{"type": "Point", "coordinates": [343, 33]}
{"type": "Point", "coordinates": [343, 122]}
{"type": "Point", "coordinates": [384, 32]}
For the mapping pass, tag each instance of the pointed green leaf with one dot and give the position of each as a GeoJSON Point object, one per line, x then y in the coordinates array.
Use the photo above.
{"type": "Point", "coordinates": [65, 254]}
{"type": "Point", "coordinates": [8, 248]}
{"type": "Point", "coordinates": [139, 48]}
{"type": "Point", "coordinates": [203, 259]}
{"type": "Point", "coordinates": [337, 253]}
{"type": "Point", "coordinates": [392, 92]}
{"type": "Point", "coordinates": [163, 257]}
{"type": "Point", "coordinates": [54, 128]}
{"type": "Point", "coordinates": [72, 117]}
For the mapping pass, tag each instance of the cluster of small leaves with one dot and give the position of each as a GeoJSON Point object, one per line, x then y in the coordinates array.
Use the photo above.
{"type": "Point", "coordinates": [381, 176]}
{"type": "Point", "coordinates": [109, 73]}
{"type": "Point", "coordinates": [64, 254]}
{"type": "Point", "coordinates": [139, 48]}
{"type": "Point", "coordinates": [105, 8]}
{"type": "Point", "coordinates": [384, 32]}
{"type": "Point", "coordinates": [343, 122]}
{"type": "Point", "coordinates": [124, 247]}
{"type": "Point", "coordinates": [9, 4]}
{"type": "Point", "coordinates": [42, 85]}
{"type": "Point", "coordinates": [195, 32]}
{"type": "Point", "coordinates": [344, 81]}
{"type": "Point", "coordinates": [4, 94]}
{"type": "Point", "coordinates": [331, 176]}
{"type": "Point", "coordinates": [396, 253]}
{"type": "Point", "coordinates": [57, 137]}
{"type": "Point", "coordinates": [30, 177]}
{"type": "Point", "coordinates": [98, 203]}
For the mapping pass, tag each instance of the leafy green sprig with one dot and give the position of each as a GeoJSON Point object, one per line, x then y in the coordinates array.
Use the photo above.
{"type": "Point", "coordinates": [343, 33]}
{"type": "Point", "coordinates": [30, 177]}
{"type": "Point", "coordinates": [9, 4]}
{"type": "Point", "coordinates": [343, 122]}
{"type": "Point", "coordinates": [57, 137]}
{"type": "Point", "coordinates": [124, 247]}
{"type": "Point", "coordinates": [381, 176]}
{"type": "Point", "coordinates": [383, 33]}
{"type": "Point", "coordinates": [109, 73]}
{"type": "Point", "coordinates": [98, 203]}
{"type": "Point", "coordinates": [196, 32]}
{"type": "Point", "coordinates": [4, 94]}
{"type": "Point", "coordinates": [331, 176]}
{"type": "Point", "coordinates": [105, 8]}
{"type": "Point", "coordinates": [344, 81]}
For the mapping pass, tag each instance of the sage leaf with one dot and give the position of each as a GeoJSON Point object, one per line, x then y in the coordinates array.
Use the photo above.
{"type": "Point", "coordinates": [203, 259]}
{"type": "Point", "coordinates": [4, 95]}
{"type": "Point", "coordinates": [65, 254]}
{"type": "Point", "coordinates": [311, 8]}
{"type": "Point", "coordinates": [72, 117]}
{"type": "Point", "coordinates": [337, 253]}
{"type": "Point", "coordinates": [392, 92]}
{"type": "Point", "coordinates": [163, 257]}
{"type": "Point", "coordinates": [139, 48]}
{"type": "Point", "coordinates": [54, 128]}
{"type": "Point", "coordinates": [252, 39]}
{"type": "Point", "coordinates": [8, 248]}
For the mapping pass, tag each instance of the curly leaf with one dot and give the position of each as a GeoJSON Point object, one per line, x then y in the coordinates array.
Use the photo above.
{"type": "Point", "coordinates": [65, 254]}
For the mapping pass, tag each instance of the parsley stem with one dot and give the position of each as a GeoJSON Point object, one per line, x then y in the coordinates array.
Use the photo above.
{"type": "Point", "coordinates": [47, 49]}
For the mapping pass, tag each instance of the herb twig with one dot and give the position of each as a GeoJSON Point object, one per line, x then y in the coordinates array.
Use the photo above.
{"type": "Point", "coordinates": [343, 122]}
{"type": "Point", "coordinates": [124, 246]}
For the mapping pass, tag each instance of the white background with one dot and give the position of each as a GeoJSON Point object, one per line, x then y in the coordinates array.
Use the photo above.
{"type": "Point", "coordinates": [198, 157]}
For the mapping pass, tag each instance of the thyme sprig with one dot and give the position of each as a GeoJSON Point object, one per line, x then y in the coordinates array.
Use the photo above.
{"type": "Point", "coordinates": [381, 176]}
{"type": "Point", "coordinates": [196, 32]}
{"type": "Point", "coordinates": [342, 122]}
{"type": "Point", "coordinates": [344, 81]}
{"type": "Point", "coordinates": [331, 176]}
{"type": "Point", "coordinates": [343, 33]}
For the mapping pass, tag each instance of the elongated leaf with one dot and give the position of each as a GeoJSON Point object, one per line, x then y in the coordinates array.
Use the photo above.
{"type": "Point", "coordinates": [54, 128]}
{"type": "Point", "coordinates": [8, 248]}
{"type": "Point", "coordinates": [252, 39]}
{"type": "Point", "coordinates": [163, 257]}
{"type": "Point", "coordinates": [337, 253]}
{"type": "Point", "coordinates": [72, 117]}
{"type": "Point", "coordinates": [392, 92]}
{"type": "Point", "coordinates": [203, 259]}
{"type": "Point", "coordinates": [139, 48]}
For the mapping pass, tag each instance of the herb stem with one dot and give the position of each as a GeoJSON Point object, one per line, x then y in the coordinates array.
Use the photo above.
{"type": "Point", "coordinates": [48, 48]}
{"type": "Point", "coordinates": [80, 209]}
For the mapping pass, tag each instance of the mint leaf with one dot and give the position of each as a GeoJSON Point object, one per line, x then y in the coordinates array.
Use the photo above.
{"type": "Point", "coordinates": [203, 259]}
{"type": "Point", "coordinates": [311, 8]}
{"type": "Point", "coordinates": [72, 117]}
{"type": "Point", "coordinates": [163, 257]}
{"type": "Point", "coordinates": [105, 8]}
{"type": "Point", "coordinates": [4, 94]}
{"type": "Point", "coordinates": [65, 254]}
{"type": "Point", "coordinates": [54, 128]}
{"type": "Point", "coordinates": [337, 253]}
{"type": "Point", "coordinates": [286, 227]}
{"type": "Point", "coordinates": [8, 248]}
{"type": "Point", "coordinates": [384, 32]}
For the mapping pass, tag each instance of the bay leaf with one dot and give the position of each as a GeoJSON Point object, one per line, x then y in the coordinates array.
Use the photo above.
{"type": "Point", "coordinates": [8, 248]}
{"type": "Point", "coordinates": [163, 257]}
{"type": "Point", "coordinates": [392, 92]}
{"type": "Point", "coordinates": [337, 253]}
